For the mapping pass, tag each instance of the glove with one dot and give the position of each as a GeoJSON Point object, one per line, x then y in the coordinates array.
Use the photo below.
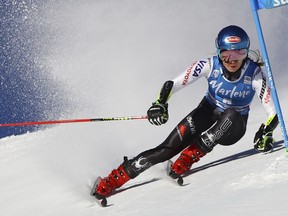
{"type": "Point", "coordinates": [158, 113]}
{"type": "Point", "coordinates": [263, 140]}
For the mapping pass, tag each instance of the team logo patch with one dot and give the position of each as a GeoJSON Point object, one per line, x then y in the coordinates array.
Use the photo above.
{"type": "Point", "coordinates": [247, 80]}
{"type": "Point", "coordinates": [181, 129]}
{"type": "Point", "coordinates": [215, 73]}
{"type": "Point", "coordinates": [191, 124]}
{"type": "Point", "coordinates": [140, 163]}
{"type": "Point", "coordinates": [268, 96]}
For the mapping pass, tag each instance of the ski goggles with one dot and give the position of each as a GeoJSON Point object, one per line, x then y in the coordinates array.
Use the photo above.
{"type": "Point", "coordinates": [233, 55]}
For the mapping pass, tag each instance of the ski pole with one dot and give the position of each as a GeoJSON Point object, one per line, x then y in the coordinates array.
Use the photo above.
{"type": "Point", "coordinates": [73, 121]}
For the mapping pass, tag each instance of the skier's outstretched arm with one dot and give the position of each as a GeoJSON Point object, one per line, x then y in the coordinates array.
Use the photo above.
{"type": "Point", "coordinates": [158, 112]}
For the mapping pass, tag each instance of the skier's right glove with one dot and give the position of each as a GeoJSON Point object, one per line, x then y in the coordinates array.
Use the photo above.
{"type": "Point", "coordinates": [158, 113]}
{"type": "Point", "coordinates": [263, 140]}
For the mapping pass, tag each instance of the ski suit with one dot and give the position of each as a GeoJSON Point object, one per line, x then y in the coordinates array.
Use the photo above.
{"type": "Point", "coordinates": [221, 116]}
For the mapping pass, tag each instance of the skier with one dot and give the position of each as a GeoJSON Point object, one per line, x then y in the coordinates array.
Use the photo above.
{"type": "Point", "coordinates": [233, 76]}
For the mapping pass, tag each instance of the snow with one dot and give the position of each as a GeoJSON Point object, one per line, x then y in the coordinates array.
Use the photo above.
{"type": "Point", "coordinates": [113, 57]}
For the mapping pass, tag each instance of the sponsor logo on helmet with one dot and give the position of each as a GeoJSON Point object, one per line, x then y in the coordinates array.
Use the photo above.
{"type": "Point", "coordinates": [232, 39]}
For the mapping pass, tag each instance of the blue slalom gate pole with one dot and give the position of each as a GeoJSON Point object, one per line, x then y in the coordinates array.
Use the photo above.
{"type": "Point", "coordinates": [254, 8]}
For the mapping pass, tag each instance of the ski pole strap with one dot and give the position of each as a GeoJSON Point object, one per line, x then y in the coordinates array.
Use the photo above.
{"type": "Point", "coordinates": [72, 121]}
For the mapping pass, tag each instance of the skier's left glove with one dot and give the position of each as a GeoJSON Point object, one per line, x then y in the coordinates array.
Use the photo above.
{"type": "Point", "coordinates": [158, 113]}
{"type": "Point", "coordinates": [263, 140]}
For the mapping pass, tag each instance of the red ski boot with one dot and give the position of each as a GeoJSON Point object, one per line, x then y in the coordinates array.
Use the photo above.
{"type": "Point", "coordinates": [115, 179]}
{"type": "Point", "coordinates": [190, 155]}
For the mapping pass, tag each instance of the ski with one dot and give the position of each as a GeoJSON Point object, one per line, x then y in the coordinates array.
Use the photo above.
{"type": "Point", "coordinates": [100, 200]}
{"type": "Point", "coordinates": [174, 176]}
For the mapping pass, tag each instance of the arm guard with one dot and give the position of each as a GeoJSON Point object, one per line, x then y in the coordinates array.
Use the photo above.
{"type": "Point", "coordinates": [271, 123]}
{"type": "Point", "coordinates": [165, 92]}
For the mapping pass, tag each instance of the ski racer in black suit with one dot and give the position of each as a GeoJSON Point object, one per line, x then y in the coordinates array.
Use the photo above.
{"type": "Point", "coordinates": [233, 77]}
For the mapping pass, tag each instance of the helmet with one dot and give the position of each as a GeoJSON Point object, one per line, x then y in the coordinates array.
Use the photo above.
{"type": "Point", "coordinates": [232, 38]}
